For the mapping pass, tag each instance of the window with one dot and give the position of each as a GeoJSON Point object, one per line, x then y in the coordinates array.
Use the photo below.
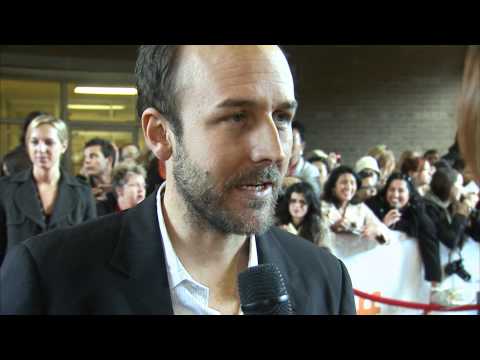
{"type": "Point", "coordinates": [18, 98]}
{"type": "Point", "coordinates": [100, 108]}
{"type": "Point", "coordinates": [9, 137]}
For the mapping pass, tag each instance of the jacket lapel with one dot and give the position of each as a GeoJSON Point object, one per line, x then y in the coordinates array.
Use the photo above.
{"type": "Point", "coordinates": [67, 199]}
{"type": "Point", "coordinates": [270, 251]}
{"type": "Point", "coordinates": [25, 198]}
{"type": "Point", "coordinates": [139, 254]}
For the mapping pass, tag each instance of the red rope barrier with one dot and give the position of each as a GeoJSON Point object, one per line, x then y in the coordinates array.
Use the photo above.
{"type": "Point", "coordinates": [412, 305]}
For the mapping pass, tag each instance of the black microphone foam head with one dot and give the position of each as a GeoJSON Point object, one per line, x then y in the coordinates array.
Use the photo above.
{"type": "Point", "coordinates": [263, 292]}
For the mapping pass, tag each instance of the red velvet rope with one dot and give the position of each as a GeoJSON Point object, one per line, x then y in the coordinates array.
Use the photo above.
{"type": "Point", "coordinates": [412, 305]}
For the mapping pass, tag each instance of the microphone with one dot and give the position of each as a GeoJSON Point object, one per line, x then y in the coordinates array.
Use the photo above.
{"type": "Point", "coordinates": [263, 292]}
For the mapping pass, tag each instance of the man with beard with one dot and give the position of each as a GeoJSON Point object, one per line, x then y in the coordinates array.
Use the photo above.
{"type": "Point", "coordinates": [220, 117]}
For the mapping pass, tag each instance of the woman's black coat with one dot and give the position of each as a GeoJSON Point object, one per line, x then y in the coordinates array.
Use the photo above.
{"type": "Point", "coordinates": [21, 212]}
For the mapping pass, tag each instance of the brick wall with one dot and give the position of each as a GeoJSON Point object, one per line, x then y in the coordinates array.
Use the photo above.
{"type": "Point", "coordinates": [354, 97]}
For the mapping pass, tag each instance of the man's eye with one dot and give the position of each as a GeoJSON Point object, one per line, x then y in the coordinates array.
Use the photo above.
{"type": "Point", "coordinates": [282, 118]}
{"type": "Point", "coordinates": [238, 117]}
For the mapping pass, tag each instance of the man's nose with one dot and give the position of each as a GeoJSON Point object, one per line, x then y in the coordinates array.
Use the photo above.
{"type": "Point", "coordinates": [266, 144]}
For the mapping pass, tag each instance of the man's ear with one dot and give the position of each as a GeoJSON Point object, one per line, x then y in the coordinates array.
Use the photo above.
{"type": "Point", "coordinates": [156, 132]}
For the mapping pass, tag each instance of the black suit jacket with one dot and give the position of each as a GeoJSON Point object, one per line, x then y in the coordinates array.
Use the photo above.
{"type": "Point", "coordinates": [20, 209]}
{"type": "Point", "coordinates": [116, 265]}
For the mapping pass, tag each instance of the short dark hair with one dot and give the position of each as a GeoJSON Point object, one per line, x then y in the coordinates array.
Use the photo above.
{"type": "Point", "coordinates": [328, 192]}
{"type": "Point", "coordinates": [301, 129]}
{"type": "Point", "coordinates": [106, 146]}
{"type": "Point", "coordinates": [443, 181]}
{"type": "Point", "coordinates": [459, 165]}
{"type": "Point", "coordinates": [431, 152]}
{"type": "Point", "coordinates": [155, 74]}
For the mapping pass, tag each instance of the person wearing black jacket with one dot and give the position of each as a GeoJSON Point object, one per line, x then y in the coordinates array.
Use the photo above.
{"type": "Point", "coordinates": [401, 208]}
{"type": "Point", "coordinates": [180, 251]}
{"type": "Point", "coordinates": [450, 213]}
{"type": "Point", "coordinates": [43, 197]}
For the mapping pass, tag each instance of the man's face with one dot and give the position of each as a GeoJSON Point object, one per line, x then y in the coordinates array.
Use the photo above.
{"type": "Point", "coordinates": [236, 104]}
{"type": "Point", "coordinates": [95, 163]}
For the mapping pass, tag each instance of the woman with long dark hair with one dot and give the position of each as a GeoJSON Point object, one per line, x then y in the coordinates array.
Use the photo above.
{"type": "Point", "coordinates": [299, 213]}
{"type": "Point", "coordinates": [402, 208]}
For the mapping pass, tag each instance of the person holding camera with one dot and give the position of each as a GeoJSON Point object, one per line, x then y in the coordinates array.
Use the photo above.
{"type": "Point", "coordinates": [450, 212]}
{"type": "Point", "coordinates": [402, 208]}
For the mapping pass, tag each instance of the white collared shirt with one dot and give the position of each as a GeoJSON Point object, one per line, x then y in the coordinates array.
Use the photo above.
{"type": "Point", "coordinates": [189, 297]}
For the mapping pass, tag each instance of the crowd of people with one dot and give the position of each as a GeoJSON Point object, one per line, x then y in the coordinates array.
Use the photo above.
{"type": "Point", "coordinates": [45, 196]}
{"type": "Point", "coordinates": [430, 198]}
{"type": "Point", "coordinates": [216, 212]}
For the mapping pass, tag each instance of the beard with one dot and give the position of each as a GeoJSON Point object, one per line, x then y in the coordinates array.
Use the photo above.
{"type": "Point", "coordinates": [207, 202]}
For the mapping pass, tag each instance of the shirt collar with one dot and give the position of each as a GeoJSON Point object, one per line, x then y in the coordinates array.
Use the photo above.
{"type": "Point", "coordinates": [175, 269]}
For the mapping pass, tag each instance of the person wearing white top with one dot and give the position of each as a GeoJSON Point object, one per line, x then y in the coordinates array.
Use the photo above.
{"type": "Point", "coordinates": [343, 217]}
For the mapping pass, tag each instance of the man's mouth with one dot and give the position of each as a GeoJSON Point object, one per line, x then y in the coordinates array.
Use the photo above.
{"type": "Point", "coordinates": [256, 187]}
{"type": "Point", "coordinates": [256, 191]}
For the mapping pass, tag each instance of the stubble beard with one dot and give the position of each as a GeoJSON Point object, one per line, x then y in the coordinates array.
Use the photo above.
{"type": "Point", "coordinates": [207, 205]}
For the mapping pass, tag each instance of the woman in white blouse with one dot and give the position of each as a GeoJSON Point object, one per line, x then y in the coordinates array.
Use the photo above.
{"type": "Point", "coordinates": [343, 217]}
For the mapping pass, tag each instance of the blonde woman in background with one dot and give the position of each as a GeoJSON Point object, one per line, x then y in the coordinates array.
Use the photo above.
{"type": "Point", "coordinates": [43, 197]}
